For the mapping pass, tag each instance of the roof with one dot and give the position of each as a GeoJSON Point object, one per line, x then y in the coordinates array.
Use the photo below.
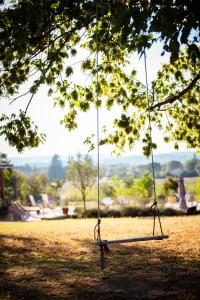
{"type": "Point", "coordinates": [5, 166]}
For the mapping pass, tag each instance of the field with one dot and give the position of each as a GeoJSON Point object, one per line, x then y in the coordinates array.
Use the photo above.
{"type": "Point", "coordinates": [58, 260]}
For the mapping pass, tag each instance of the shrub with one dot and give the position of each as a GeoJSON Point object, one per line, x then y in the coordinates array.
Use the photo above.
{"type": "Point", "coordinates": [146, 212]}
{"type": "Point", "coordinates": [93, 213]}
{"type": "Point", "coordinates": [131, 211]}
{"type": "Point", "coordinates": [171, 212]}
{"type": "Point", "coordinates": [114, 213]}
{"type": "Point", "coordinates": [137, 212]}
{"type": "Point", "coordinates": [3, 211]}
{"type": "Point", "coordinates": [127, 212]}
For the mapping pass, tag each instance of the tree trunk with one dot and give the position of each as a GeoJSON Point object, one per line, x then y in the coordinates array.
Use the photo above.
{"type": "Point", "coordinates": [84, 200]}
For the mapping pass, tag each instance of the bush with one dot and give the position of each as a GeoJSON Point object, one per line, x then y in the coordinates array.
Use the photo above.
{"type": "Point", "coordinates": [146, 212]}
{"type": "Point", "coordinates": [3, 211]}
{"type": "Point", "coordinates": [114, 213]}
{"type": "Point", "coordinates": [171, 212]}
{"type": "Point", "coordinates": [137, 212]}
{"type": "Point", "coordinates": [128, 212]}
{"type": "Point", "coordinates": [93, 213]}
{"type": "Point", "coordinates": [131, 211]}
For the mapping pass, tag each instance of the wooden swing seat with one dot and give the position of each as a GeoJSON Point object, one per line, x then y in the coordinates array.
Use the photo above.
{"type": "Point", "coordinates": [131, 240]}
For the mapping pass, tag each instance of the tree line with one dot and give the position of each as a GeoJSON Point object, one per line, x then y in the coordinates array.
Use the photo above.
{"type": "Point", "coordinates": [57, 170]}
{"type": "Point", "coordinates": [191, 168]}
{"type": "Point", "coordinates": [81, 176]}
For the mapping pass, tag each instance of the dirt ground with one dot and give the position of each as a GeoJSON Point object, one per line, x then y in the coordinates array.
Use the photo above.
{"type": "Point", "coordinates": [59, 260]}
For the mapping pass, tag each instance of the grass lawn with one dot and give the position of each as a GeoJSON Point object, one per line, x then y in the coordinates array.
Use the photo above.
{"type": "Point", "coordinates": [58, 260]}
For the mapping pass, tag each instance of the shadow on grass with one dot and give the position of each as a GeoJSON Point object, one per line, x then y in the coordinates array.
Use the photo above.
{"type": "Point", "coordinates": [32, 268]}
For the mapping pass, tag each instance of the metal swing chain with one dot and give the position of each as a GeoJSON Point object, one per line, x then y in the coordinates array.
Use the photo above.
{"type": "Point", "coordinates": [155, 204]}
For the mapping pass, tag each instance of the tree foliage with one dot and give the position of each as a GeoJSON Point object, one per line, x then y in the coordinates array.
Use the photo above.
{"type": "Point", "coordinates": [6, 182]}
{"type": "Point", "coordinates": [14, 184]}
{"type": "Point", "coordinates": [143, 186]}
{"type": "Point", "coordinates": [22, 187]}
{"type": "Point", "coordinates": [108, 189]}
{"type": "Point", "coordinates": [170, 186]}
{"type": "Point", "coordinates": [38, 184]}
{"type": "Point", "coordinates": [7, 185]}
{"type": "Point", "coordinates": [20, 131]}
{"type": "Point", "coordinates": [38, 39]}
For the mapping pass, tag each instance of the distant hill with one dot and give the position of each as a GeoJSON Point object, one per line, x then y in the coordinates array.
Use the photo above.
{"type": "Point", "coordinates": [44, 161]}
{"type": "Point", "coordinates": [141, 159]}
{"type": "Point", "coordinates": [34, 161]}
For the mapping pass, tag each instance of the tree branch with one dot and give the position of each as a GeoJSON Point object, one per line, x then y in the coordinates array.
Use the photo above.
{"type": "Point", "coordinates": [176, 97]}
{"type": "Point", "coordinates": [22, 95]}
{"type": "Point", "coordinates": [29, 102]}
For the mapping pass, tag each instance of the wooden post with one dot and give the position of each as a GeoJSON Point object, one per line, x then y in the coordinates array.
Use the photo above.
{"type": "Point", "coordinates": [1, 185]}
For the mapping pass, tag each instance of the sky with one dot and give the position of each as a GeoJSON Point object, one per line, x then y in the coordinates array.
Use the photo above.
{"type": "Point", "coordinates": [59, 140]}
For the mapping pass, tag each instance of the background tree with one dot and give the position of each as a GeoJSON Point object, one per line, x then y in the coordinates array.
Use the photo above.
{"type": "Point", "coordinates": [197, 167]}
{"type": "Point", "coordinates": [157, 168]}
{"type": "Point", "coordinates": [15, 185]}
{"type": "Point", "coordinates": [38, 40]}
{"type": "Point", "coordinates": [82, 174]}
{"type": "Point", "coordinates": [170, 186]}
{"type": "Point", "coordinates": [53, 190]}
{"type": "Point", "coordinates": [190, 168]}
{"type": "Point", "coordinates": [197, 189]}
{"type": "Point", "coordinates": [6, 180]}
{"type": "Point", "coordinates": [56, 170]}
{"type": "Point", "coordinates": [108, 190]}
{"type": "Point", "coordinates": [173, 166]}
{"type": "Point", "coordinates": [38, 184]}
{"type": "Point", "coordinates": [8, 185]}
{"type": "Point", "coordinates": [128, 181]}
{"type": "Point", "coordinates": [22, 186]}
{"type": "Point", "coordinates": [143, 186]}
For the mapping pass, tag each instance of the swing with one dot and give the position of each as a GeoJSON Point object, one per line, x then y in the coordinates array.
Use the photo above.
{"type": "Point", "coordinates": [103, 244]}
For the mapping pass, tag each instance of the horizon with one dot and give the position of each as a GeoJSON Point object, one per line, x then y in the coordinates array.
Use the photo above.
{"type": "Point", "coordinates": [134, 159]}
{"type": "Point", "coordinates": [107, 154]}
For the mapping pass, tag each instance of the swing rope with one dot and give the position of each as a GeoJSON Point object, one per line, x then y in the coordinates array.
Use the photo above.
{"type": "Point", "coordinates": [154, 206]}
{"type": "Point", "coordinates": [97, 121]}
{"type": "Point", "coordinates": [97, 228]}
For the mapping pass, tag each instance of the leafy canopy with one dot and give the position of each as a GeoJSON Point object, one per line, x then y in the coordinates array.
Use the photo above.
{"type": "Point", "coordinates": [39, 38]}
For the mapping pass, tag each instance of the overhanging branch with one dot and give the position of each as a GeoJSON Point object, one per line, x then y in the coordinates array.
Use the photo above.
{"type": "Point", "coordinates": [175, 97]}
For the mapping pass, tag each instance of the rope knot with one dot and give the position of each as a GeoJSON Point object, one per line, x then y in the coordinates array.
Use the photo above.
{"type": "Point", "coordinates": [97, 233]}
{"type": "Point", "coordinates": [155, 203]}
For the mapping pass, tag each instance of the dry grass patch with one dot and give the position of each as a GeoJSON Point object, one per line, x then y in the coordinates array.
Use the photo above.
{"type": "Point", "coordinates": [58, 260]}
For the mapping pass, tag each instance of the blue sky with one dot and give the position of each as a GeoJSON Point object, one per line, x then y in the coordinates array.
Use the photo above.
{"type": "Point", "coordinates": [59, 140]}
